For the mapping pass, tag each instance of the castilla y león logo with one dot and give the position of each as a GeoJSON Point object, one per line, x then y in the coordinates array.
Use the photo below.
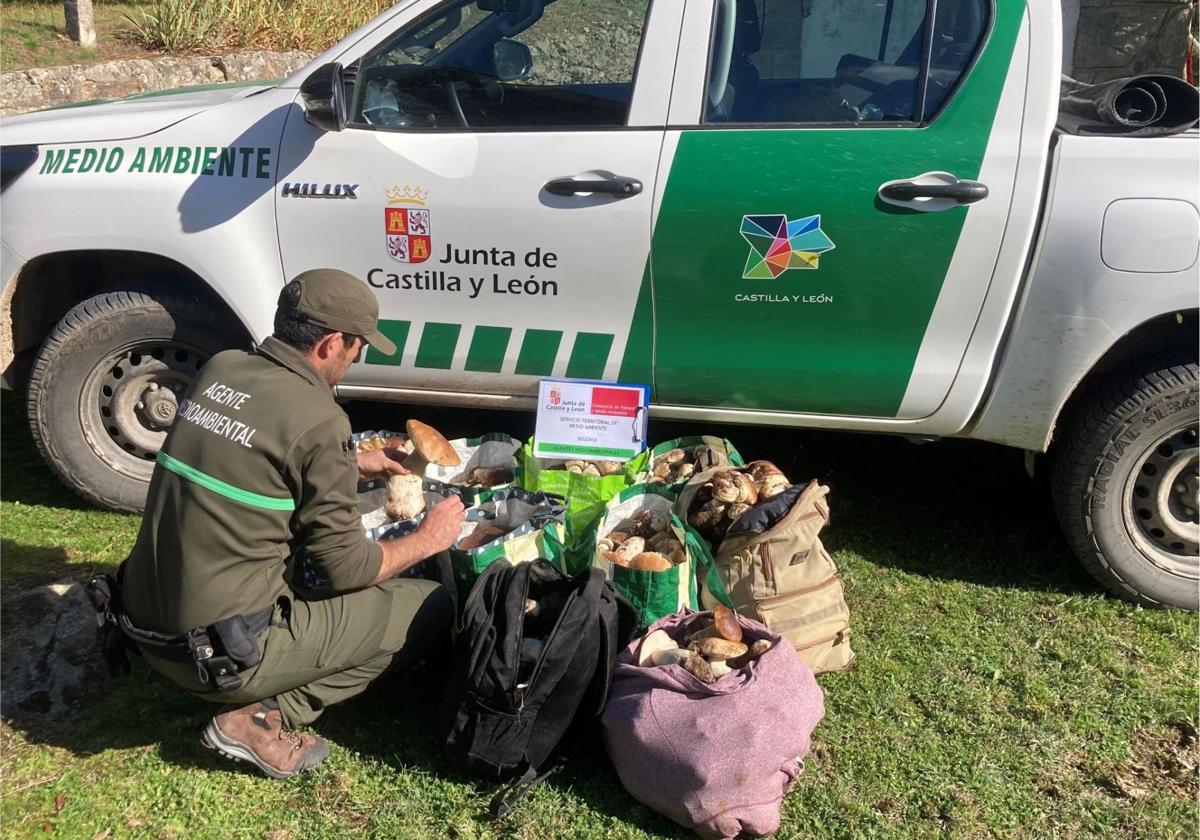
{"type": "Point", "coordinates": [407, 228]}
{"type": "Point", "coordinates": [777, 245]}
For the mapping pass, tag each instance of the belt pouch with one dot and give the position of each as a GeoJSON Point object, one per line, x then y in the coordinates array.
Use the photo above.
{"type": "Point", "coordinates": [239, 643]}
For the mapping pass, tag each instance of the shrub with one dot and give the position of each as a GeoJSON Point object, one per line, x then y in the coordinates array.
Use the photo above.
{"type": "Point", "coordinates": [189, 25]}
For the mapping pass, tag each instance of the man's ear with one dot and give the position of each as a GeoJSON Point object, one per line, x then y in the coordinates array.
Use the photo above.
{"type": "Point", "coordinates": [328, 346]}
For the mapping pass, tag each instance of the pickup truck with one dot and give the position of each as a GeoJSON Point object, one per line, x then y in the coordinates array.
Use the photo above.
{"type": "Point", "coordinates": [842, 214]}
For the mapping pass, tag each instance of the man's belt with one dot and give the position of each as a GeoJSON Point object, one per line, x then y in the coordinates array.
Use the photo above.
{"type": "Point", "coordinates": [219, 651]}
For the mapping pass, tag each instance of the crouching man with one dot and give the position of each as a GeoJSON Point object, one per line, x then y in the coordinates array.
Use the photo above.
{"type": "Point", "coordinates": [258, 466]}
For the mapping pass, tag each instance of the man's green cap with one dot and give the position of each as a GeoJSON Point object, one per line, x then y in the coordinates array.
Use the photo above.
{"type": "Point", "coordinates": [339, 301]}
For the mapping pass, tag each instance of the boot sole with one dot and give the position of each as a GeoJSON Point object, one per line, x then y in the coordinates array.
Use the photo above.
{"type": "Point", "coordinates": [228, 748]}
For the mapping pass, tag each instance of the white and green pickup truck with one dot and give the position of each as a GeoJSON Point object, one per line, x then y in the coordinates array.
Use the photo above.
{"type": "Point", "coordinates": [843, 214]}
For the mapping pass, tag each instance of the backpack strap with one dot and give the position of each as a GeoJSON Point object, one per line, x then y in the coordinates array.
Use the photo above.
{"type": "Point", "coordinates": [509, 796]}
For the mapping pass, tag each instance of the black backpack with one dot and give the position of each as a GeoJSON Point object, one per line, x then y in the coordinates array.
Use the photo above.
{"type": "Point", "coordinates": [526, 684]}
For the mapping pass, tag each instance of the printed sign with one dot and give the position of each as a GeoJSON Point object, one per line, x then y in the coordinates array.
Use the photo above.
{"type": "Point", "coordinates": [590, 421]}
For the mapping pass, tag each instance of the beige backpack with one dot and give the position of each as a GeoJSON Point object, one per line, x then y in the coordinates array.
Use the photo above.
{"type": "Point", "coordinates": [783, 576]}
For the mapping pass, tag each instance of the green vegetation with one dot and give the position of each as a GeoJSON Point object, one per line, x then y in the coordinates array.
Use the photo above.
{"type": "Point", "coordinates": [183, 25]}
{"type": "Point", "coordinates": [997, 692]}
{"type": "Point", "coordinates": [34, 34]}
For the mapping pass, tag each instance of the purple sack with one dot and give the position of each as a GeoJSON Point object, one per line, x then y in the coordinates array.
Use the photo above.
{"type": "Point", "coordinates": [715, 758]}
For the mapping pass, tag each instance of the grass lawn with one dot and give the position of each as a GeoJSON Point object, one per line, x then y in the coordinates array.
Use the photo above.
{"type": "Point", "coordinates": [998, 692]}
{"type": "Point", "coordinates": [34, 34]}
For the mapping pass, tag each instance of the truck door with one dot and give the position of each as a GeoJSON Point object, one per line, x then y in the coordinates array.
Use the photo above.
{"type": "Point", "coordinates": [493, 186]}
{"type": "Point", "coordinates": [836, 202]}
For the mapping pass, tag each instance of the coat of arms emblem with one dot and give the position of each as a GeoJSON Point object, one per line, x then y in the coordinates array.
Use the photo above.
{"type": "Point", "coordinates": [407, 228]}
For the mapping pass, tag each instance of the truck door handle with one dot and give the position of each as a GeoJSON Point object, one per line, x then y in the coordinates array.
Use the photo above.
{"type": "Point", "coordinates": [618, 186]}
{"type": "Point", "coordinates": [932, 191]}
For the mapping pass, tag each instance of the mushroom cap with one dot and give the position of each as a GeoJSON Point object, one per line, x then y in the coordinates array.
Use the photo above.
{"type": "Point", "coordinates": [652, 644]}
{"type": "Point", "coordinates": [727, 623]}
{"type": "Point", "coordinates": [650, 561]}
{"type": "Point", "coordinates": [482, 535]}
{"type": "Point", "coordinates": [717, 648]}
{"type": "Point", "coordinates": [671, 656]}
{"type": "Point", "coordinates": [431, 445]}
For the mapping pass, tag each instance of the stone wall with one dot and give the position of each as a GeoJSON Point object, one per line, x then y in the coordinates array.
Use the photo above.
{"type": "Point", "coordinates": [1117, 38]}
{"type": "Point", "coordinates": [46, 87]}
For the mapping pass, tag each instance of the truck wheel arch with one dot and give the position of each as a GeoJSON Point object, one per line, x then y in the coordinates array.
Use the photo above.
{"type": "Point", "coordinates": [1164, 333]}
{"type": "Point", "coordinates": [48, 286]}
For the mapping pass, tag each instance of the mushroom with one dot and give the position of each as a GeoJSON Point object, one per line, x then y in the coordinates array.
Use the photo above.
{"type": "Point", "coordinates": [731, 487]}
{"type": "Point", "coordinates": [653, 643]}
{"type": "Point", "coordinates": [769, 480]}
{"type": "Point", "coordinates": [716, 648]}
{"type": "Point", "coordinates": [719, 668]}
{"type": "Point", "coordinates": [488, 477]}
{"type": "Point", "coordinates": [482, 535]}
{"type": "Point", "coordinates": [429, 447]}
{"type": "Point", "coordinates": [626, 551]}
{"type": "Point", "coordinates": [708, 516]}
{"type": "Point", "coordinates": [675, 656]}
{"type": "Point", "coordinates": [610, 467]}
{"type": "Point", "coordinates": [684, 471]}
{"type": "Point", "coordinates": [650, 561]}
{"type": "Point", "coordinates": [736, 511]}
{"type": "Point", "coordinates": [699, 668]}
{"type": "Point", "coordinates": [405, 498]}
{"type": "Point", "coordinates": [726, 623]}
{"type": "Point", "coordinates": [757, 649]}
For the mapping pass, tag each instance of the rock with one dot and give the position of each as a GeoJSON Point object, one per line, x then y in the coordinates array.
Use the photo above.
{"type": "Point", "coordinates": [49, 649]}
{"type": "Point", "coordinates": [47, 87]}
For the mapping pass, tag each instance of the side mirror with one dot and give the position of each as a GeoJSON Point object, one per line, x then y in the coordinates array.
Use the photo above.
{"type": "Point", "coordinates": [512, 60]}
{"type": "Point", "coordinates": [324, 96]}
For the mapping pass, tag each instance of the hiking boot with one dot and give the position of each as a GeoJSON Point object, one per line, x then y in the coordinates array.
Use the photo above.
{"type": "Point", "coordinates": [256, 733]}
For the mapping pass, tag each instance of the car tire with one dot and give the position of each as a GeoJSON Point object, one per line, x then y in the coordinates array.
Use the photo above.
{"type": "Point", "coordinates": [1125, 484]}
{"type": "Point", "coordinates": [107, 382]}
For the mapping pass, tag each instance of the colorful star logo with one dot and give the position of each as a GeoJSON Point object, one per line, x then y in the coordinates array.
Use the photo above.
{"type": "Point", "coordinates": [777, 245]}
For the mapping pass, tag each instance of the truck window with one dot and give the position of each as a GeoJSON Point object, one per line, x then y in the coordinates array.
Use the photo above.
{"type": "Point", "coordinates": [504, 64]}
{"type": "Point", "coordinates": [838, 61]}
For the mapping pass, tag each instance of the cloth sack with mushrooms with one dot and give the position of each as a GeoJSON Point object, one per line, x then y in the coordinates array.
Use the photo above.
{"type": "Point", "coordinates": [708, 720]}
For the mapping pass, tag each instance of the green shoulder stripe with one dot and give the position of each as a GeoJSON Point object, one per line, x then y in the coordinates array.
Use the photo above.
{"type": "Point", "coordinates": [220, 487]}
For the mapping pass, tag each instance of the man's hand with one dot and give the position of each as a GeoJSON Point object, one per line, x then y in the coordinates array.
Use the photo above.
{"type": "Point", "coordinates": [442, 524]}
{"type": "Point", "coordinates": [437, 532]}
{"type": "Point", "coordinates": [381, 463]}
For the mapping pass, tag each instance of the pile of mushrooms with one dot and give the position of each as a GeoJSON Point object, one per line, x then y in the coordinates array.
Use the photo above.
{"type": "Point", "coordinates": [681, 464]}
{"type": "Point", "coordinates": [405, 497]}
{"type": "Point", "coordinates": [643, 542]}
{"type": "Point", "coordinates": [710, 651]}
{"type": "Point", "coordinates": [730, 494]}
{"type": "Point", "coordinates": [592, 468]}
{"type": "Point", "coordinates": [377, 441]}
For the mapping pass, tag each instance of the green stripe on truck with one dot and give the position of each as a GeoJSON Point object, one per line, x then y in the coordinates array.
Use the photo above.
{"type": "Point", "coordinates": [397, 331]}
{"type": "Point", "coordinates": [589, 355]}
{"type": "Point", "coordinates": [488, 346]}
{"type": "Point", "coordinates": [538, 351]}
{"type": "Point", "coordinates": [438, 341]}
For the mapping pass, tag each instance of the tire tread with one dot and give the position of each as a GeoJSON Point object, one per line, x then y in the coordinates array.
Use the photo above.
{"type": "Point", "coordinates": [1089, 431]}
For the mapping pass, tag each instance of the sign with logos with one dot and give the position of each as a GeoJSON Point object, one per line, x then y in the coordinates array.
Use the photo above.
{"type": "Point", "coordinates": [590, 421]}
